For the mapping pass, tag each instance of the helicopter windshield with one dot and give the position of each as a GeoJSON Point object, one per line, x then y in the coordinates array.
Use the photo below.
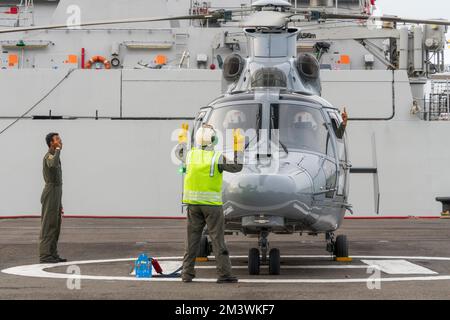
{"type": "Point", "coordinates": [243, 116]}
{"type": "Point", "coordinates": [300, 127]}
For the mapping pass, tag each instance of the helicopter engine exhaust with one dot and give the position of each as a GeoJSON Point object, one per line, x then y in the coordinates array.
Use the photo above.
{"type": "Point", "coordinates": [233, 66]}
{"type": "Point", "coordinates": [309, 70]}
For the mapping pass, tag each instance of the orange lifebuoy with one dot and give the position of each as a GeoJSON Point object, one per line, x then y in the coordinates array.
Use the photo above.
{"type": "Point", "coordinates": [95, 59]}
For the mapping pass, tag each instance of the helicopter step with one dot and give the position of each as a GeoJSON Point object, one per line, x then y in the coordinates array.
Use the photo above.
{"type": "Point", "coordinates": [255, 259]}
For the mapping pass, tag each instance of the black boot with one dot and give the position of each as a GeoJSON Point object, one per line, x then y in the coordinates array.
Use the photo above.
{"type": "Point", "coordinates": [60, 259]}
{"type": "Point", "coordinates": [49, 260]}
{"type": "Point", "coordinates": [227, 279]}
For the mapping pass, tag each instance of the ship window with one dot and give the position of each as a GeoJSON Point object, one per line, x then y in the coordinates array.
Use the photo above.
{"type": "Point", "coordinates": [269, 77]}
{"type": "Point", "coordinates": [301, 127]}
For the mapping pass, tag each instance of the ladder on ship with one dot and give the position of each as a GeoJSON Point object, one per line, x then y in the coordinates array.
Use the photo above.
{"type": "Point", "coordinates": [181, 47]}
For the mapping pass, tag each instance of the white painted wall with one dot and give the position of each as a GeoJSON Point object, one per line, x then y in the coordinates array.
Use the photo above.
{"type": "Point", "coordinates": [123, 168]}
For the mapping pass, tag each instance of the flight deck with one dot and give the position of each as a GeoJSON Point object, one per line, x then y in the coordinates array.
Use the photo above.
{"type": "Point", "coordinates": [391, 259]}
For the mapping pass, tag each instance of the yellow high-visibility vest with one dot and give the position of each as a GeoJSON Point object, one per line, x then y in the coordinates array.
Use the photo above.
{"type": "Point", "coordinates": [203, 181]}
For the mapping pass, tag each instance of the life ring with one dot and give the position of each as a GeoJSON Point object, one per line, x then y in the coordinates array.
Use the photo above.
{"type": "Point", "coordinates": [96, 59]}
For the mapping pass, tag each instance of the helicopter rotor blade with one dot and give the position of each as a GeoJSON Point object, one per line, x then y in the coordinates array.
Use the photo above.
{"type": "Point", "coordinates": [323, 15]}
{"type": "Point", "coordinates": [214, 15]}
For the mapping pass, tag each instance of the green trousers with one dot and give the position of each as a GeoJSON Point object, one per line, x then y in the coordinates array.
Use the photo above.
{"type": "Point", "coordinates": [197, 218]}
{"type": "Point", "coordinates": [50, 221]}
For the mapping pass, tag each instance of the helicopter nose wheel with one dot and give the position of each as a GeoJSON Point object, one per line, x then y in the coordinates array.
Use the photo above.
{"type": "Point", "coordinates": [205, 248]}
{"type": "Point", "coordinates": [255, 259]}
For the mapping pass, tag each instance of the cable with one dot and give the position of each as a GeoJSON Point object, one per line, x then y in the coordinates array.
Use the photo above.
{"type": "Point", "coordinates": [174, 274]}
{"type": "Point", "coordinates": [37, 103]}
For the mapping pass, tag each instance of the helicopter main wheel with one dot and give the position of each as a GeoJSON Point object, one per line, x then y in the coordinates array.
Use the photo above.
{"type": "Point", "coordinates": [274, 261]}
{"type": "Point", "coordinates": [253, 261]}
{"type": "Point", "coordinates": [341, 247]}
{"type": "Point", "coordinates": [205, 247]}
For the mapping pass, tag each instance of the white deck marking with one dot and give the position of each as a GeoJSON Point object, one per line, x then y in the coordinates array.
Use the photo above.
{"type": "Point", "coordinates": [398, 267]}
{"type": "Point", "coordinates": [171, 268]}
{"type": "Point", "coordinates": [39, 271]}
{"type": "Point", "coordinates": [296, 267]}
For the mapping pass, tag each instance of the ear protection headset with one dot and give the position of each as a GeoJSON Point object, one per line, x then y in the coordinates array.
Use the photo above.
{"type": "Point", "coordinates": [214, 137]}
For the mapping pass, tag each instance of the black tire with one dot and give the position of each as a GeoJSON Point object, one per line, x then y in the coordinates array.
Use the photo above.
{"type": "Point", "coordinates": [274, 262]}
{"type": "Point", "coordinates": [205, 249]}
{"type": "Point", "coordinates": [341, 247]}
{"type": "Point", "coordinates": [253, 261]}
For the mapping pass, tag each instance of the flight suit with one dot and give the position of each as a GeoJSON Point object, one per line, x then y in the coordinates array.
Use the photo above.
{"type": "Point", "coordinates": [212, 216]}
{"type": "Point", "coordinates": [51, 205]}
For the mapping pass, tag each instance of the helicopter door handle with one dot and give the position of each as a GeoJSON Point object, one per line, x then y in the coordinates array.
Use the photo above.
{"type": "Point", "coordinates": [349, 208]}
{"type": "Point", "coordinates": [347, 166]}
{"type": "Point", "coordinates": [324, 191]}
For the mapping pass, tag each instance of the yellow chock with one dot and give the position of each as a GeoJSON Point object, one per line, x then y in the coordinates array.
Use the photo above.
{"type": "Point", "coordinates": [201, 259]}
{"type": "Point", "coordinates": [343, 259]}
{"type": "Point", "coordinates": [445, 215]}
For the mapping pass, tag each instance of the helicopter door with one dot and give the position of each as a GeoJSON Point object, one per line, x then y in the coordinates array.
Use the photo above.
{"type": "Point", "coordinates": [336, 122]}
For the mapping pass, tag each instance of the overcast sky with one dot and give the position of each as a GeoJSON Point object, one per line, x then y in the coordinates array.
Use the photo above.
{"type": "Point", "coordinates": [429, 9]}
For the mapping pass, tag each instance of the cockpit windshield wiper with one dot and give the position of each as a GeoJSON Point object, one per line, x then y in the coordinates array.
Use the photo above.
{"type": "Point", "coordinates": [258, 127]}
{"type": "Point", "coordinates": [248, 143]}
{"type": "Point", "coordinates": [272, 124]}
{"type": "Point", "coordinates": [283, 146]}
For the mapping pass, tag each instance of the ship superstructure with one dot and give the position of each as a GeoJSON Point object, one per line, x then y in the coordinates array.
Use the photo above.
{"type": "Point", "coordinates": [117, 93]}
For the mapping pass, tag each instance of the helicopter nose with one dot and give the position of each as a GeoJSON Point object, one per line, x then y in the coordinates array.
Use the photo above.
{"type": "Point", "coordinates": [265, 191]}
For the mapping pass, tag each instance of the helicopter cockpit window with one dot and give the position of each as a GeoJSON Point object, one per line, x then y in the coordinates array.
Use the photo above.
{"type": "Point", "coordinates": [269, 77]}
{"type": "Point", "coordinates": [246, 117]}
{"type": "Point", "coordinates": [336, 122]}
{"type": "Point", "coordinates": [300, 127]}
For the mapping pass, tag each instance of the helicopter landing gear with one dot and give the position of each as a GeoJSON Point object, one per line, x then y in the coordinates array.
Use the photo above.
{"type": "Point", "coordinates": [274, 261]}
{"type": "Point", "coordinates": [255, 259]}
{"type": "Point", "coordinates": [337, 246]}
{"type": "Point", "coordinates": [341, 247]}
{"type": "Point", "coordinates": [205, 248]}
{"type": "Point", "coordinates": [263, 245]}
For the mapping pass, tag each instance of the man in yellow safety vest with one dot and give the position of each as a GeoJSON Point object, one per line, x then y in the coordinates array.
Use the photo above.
{"type": "Point", "coordinates": [203, 195]}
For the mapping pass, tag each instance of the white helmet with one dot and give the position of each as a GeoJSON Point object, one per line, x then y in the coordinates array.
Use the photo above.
{"type": "Point", "coordinates": [205, 136]}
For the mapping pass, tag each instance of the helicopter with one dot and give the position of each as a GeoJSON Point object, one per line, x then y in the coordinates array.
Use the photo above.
{"type": "Point", "coordinates": [296, 168]}
{"type": "Point", "coordinates": [295, 178]}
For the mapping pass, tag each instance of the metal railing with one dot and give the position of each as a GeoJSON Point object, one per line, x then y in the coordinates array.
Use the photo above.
{"type": "Point", "coordinates": [19, 14]}
{"type": "Point", "coordinates": [435, 106]}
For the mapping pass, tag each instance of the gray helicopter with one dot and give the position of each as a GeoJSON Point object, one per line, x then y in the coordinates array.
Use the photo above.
{"type": "Point", "coordinates": [296, 168]}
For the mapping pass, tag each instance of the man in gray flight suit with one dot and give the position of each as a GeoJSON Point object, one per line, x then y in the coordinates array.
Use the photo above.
{"type": "Point", "coordinates": [52, 208]}
{"type": "Point", "coordinates": [203, 194]}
